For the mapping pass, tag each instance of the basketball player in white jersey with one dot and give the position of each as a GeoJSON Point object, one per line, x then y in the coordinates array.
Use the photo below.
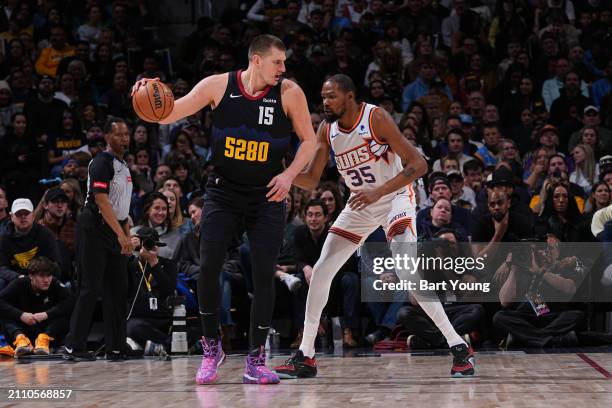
{"type": "Point", "coordinates": [379, 166]}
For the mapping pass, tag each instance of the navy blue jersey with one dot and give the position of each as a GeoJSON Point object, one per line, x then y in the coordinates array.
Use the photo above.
{"type": "Point", "coordinates": [250, 135]}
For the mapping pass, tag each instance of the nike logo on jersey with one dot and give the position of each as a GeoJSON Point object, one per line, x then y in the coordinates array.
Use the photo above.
{"type": "Point", "coordinates": [235, 96]}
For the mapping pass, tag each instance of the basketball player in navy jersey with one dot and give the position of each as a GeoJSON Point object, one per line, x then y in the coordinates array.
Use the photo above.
{"type": "Point", "coordinates": [379, 166]}
{"type": "Point", "coordinates": [253, 113]}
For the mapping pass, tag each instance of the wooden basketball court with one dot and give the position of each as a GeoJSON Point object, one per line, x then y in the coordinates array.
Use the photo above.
{"type": "Point", "coordinates": [504, 379]}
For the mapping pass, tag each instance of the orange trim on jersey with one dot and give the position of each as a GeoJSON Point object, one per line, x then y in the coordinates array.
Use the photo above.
{"type": "Point", "coordinates": [398, 226]}
{"type": "Point", "coordinates": [398, 231]}
{"type": "Point", "coordinates": [328, 139]}
{"type": "Point", "coordinates": [410, 193]}
{"type": "Point", "coordinates": [404, 219]}
{"type": "Point", "coordinates": [356, 123]}
{"type": "Point", "coordinates": [354, 241]}
{"type": "Point", "coordinates": [354, 238]}
{"type": "Point", "coordinates": [372, 129]}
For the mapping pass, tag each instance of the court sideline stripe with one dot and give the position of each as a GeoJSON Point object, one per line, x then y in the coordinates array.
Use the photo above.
{"type": "Point", "coordinates": [596, 366]}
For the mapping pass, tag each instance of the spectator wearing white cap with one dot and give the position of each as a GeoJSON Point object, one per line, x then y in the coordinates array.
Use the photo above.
{"type": "Point", "coordinates": [23, 241]}
{"type": "Point", "coordinates": [592, 118]}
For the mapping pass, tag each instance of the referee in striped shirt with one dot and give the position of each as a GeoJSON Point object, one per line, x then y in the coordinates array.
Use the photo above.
{"type": "Point", "coordinates": [103, 247]}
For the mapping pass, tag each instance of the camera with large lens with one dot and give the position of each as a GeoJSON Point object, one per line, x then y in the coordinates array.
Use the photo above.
{"type": "Point", "coordinates": [148, 244]}
{"type": "Point", "coordinates": [523, 251]}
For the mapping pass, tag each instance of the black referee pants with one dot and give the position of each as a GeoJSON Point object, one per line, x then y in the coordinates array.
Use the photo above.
{"type": "Point", "coordinates": [102, 271]}
{"type": "Point", "coordinates": [228, 212]}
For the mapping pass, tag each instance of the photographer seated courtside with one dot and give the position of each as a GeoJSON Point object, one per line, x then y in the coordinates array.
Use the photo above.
{"type": "Point", "coordinates": [151, 285]}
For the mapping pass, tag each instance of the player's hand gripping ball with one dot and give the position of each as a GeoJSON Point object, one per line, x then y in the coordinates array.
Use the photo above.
{"type": "Point", "coordinates": [152, 101]}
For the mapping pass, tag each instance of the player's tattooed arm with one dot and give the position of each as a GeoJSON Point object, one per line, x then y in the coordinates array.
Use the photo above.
{"type": "Point", "coordinates": [310, 177]}
{"type": "Point", "coordinates": [415, 166]}
{"type": "Point", "coordinates": [408, 171]}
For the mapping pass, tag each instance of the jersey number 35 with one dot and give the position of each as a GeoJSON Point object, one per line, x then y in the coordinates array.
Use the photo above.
{"type": "Point", "coordinates": [360, 176]}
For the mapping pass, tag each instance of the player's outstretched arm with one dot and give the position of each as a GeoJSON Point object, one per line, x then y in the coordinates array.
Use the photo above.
{"type": "Point", "coordinates": [309, 178]}
{"type": "Point", "coordinates": [208, 91]}
{"type": "Point", "coordinates": [294, 101]}
{"type": "Point", "coordinates": [415, 166]}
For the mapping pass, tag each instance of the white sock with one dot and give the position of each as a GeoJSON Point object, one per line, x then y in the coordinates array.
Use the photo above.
{"type": "Point", "coordinates": [429, 301]}
{"type": "Point", "coordinates": [335, 252]}
{"type": "Point", "coordinates": [438, 316]}
{"type": "Point", "coordinates": [308, 339]}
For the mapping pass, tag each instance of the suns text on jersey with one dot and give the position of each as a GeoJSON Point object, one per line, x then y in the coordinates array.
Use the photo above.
{"type": "Point", "coordinates": [354, 157]}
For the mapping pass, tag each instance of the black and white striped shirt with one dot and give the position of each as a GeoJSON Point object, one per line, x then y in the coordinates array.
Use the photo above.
{"type": "Point", "coordinates": [110, 175]}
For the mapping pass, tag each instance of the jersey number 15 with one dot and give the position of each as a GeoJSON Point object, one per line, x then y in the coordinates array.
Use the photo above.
{"type": "Point", "coordinates": [266, 115]}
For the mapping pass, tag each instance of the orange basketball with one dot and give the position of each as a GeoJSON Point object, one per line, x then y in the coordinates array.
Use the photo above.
{"type": "Point", "coordinates": [153, 102]}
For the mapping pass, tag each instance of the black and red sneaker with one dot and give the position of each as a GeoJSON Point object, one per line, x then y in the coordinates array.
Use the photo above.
{"type": "Point", "coordinates": [463, 361]}
{"type": "Point", "coordinates": [297, 366]}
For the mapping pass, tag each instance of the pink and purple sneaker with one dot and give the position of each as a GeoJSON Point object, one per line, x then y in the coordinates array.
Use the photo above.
{"type": "Point", "coordinates": [256, 371]}
{"type": "Point", "coordinates": [212, 358]}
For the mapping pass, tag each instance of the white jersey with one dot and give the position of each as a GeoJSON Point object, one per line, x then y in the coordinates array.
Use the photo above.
{"type": "Point", "coordinates": [366, 162]}
{"type": "Point", "coordinates": [361, 158]}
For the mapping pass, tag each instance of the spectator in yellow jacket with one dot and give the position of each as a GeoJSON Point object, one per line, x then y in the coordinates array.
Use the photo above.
{"type": "Point", "coordinates": [51, 56]}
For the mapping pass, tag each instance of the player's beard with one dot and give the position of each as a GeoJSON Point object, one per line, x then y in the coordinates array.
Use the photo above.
{"type": "Point", "coordinates": [331, 117]}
